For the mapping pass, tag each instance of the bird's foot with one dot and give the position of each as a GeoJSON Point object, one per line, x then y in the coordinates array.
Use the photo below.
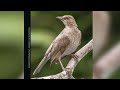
{"type": "Point", "coordinates": [74, 56]}
{"type": "Point", "coordinates": [63, 68]}
{"type": "Point", "coordinates": [61, 65]}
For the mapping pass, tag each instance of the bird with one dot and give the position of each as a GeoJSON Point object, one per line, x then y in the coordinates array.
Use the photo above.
{"type": "Point", "coordinates": [64, 44]}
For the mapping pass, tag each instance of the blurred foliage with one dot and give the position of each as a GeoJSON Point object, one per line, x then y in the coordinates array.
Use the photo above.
{"type": "Point", "coordinates": [11, 44]}
{"type": "Point", "coordinates": [45, 27]}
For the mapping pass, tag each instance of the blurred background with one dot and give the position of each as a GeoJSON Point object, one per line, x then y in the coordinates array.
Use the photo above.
{"type": "Point", "coordinates": [106, 36]}
{"type": "Point", "coordinates": [11, 44]}
{"type": "Point", "coordinates": [44, 29]}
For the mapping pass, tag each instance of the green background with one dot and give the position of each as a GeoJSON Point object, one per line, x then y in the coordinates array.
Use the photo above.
{"type": "Point", "coordinates": [11, 44]}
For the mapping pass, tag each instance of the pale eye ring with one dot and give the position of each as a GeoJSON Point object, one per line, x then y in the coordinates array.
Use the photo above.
{"type": "Point", "coordinates": [66, 18]}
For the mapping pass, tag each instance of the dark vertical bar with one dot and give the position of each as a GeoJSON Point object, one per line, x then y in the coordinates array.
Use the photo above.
{"type": "Point", "coordinates": [27, 35]}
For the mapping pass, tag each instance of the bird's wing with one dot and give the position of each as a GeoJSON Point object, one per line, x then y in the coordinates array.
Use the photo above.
{"type": "Point", "coordinates": [80, 36]}
{"type": "Point", "coordinates": [55, 50]}
{"type": "Point", "coordinates": [58, 47]}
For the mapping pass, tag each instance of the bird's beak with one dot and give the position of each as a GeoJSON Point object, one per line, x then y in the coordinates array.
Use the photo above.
{"type": "Point", "coordinates": [59, 17]}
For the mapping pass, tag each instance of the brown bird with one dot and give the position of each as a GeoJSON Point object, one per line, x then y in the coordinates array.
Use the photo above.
{"type": "Point", "coordinates": [64, 44]}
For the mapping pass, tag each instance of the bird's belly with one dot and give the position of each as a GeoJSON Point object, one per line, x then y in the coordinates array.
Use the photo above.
{"type": "Point", "coordinates": [74, 43]}
{"type": "Point", "coordinates": [71, 48]}
{"type": "Point", "coordinates": [69, 51]}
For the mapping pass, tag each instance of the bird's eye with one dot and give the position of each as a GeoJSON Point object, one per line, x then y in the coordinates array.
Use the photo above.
{"type": "Point", "coordinates": [66, 18]}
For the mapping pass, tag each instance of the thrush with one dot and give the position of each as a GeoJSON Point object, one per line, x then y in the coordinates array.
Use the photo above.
{"type": "Point", "coordinates": [64, 44]}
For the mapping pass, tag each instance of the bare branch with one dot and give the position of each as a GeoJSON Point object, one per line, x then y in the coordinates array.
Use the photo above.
{"type": "Point", "coordinates": [67, 73]}
{"type": "Point", "coordinates": [107, 64]}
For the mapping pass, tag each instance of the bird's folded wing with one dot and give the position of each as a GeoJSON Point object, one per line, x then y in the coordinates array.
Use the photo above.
{"type": "Point", "coordinates": [58, 47]}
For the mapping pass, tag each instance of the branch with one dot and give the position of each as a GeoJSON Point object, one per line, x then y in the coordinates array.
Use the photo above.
{"type": "Point", "coordinates": [107, 64]}
{"type": "Point", "coordinates": [67, 73]}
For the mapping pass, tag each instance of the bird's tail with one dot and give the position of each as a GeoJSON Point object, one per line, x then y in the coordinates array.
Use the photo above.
{"type": "Point", "coordinates": [41, 64]}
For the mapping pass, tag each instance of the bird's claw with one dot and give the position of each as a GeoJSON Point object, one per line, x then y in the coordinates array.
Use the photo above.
{"type": "Point", "coordinates": [74, 56]}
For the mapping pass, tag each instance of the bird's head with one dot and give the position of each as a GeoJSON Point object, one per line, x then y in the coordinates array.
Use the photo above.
{"type": "Point", "coordinates": [68, 20]}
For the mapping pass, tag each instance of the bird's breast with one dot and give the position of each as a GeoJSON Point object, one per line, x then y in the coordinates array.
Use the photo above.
{"type": "Point", "coordinates": [74, 42]}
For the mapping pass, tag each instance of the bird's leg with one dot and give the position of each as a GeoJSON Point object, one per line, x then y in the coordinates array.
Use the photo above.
{"type": "Point", "coordinates": [74, 56]}
{"type": "Point", "coordinates": [61, 64]}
